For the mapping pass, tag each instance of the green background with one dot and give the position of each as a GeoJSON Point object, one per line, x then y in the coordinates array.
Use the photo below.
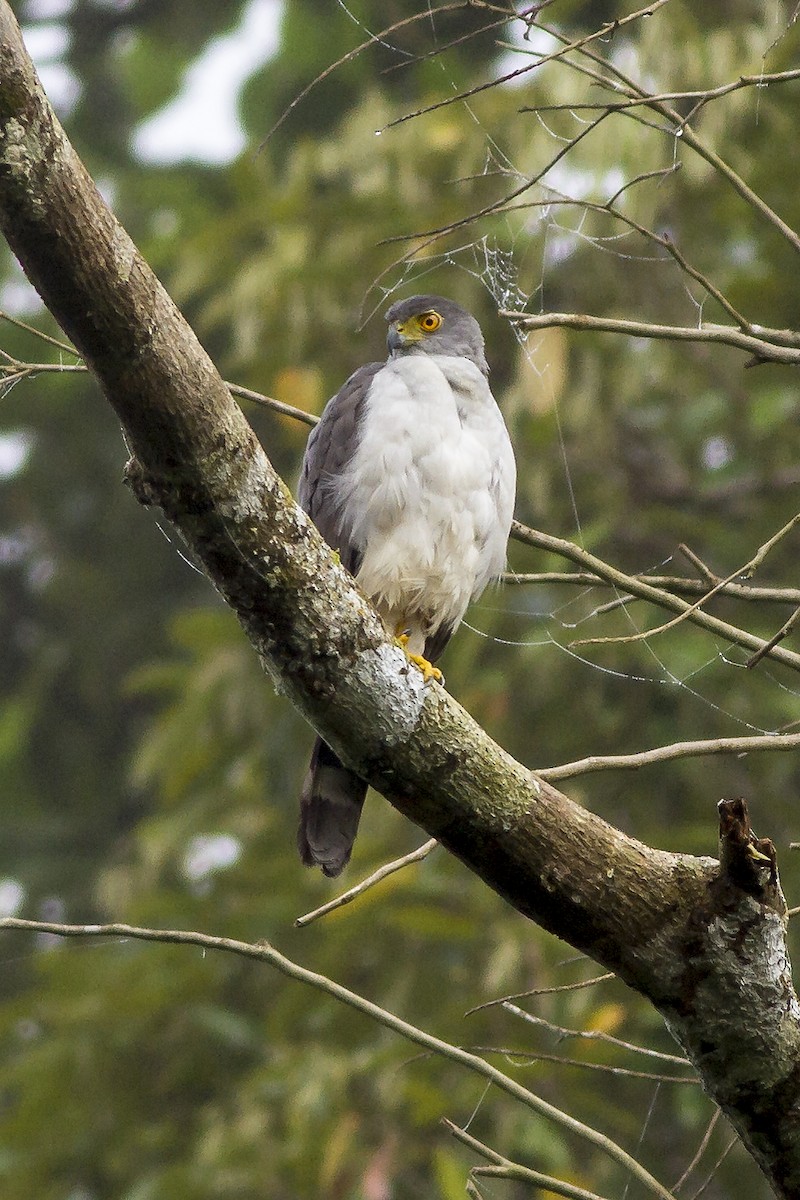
{"type": "Point", "coordinates": [149, 774]}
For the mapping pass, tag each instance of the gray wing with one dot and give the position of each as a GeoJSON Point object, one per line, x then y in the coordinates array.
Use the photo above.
{"type": "Point", "coordinates": [329, 450]}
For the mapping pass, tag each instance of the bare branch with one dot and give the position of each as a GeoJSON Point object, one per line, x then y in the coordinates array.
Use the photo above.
{"type": "Point", "coordinates": [746, 570]}
{"type": "Point", "coordinates": [547, 991]}
{"type": "Point", "coordinates": [504, 1168]}
{"type": "Point", "coordinates": [374, 39]}
{"type": "Point", "coordinates": [20, 370]}
{"type": "Point", "coordinates": [45, 337]}
{"type": "Point", "coordinates": [287, 410]}
{"type": "Point", "coordinates": [702, 569]}
{"type": "Point", "coordinates": [668, 583]}
{"type": "Point", "coordinates": [704, 95]}
{"type": "Point", "coordinates": [263, 952]}
{"type": "Point", "coordinates": [593, 1035]}
{"type": "Point", "coordinates": [770, 544]}
{"type": "Point", "coordinates": [761, 348]}
{"type": "Point", "coordinates": [506, 15]}
{"type": "Point", "coordinates": [382, 873]}
{"type": "Point", "coordinates": [533, 1056]}
{"type": "Point", "coordinates": [679, 128]}
{"type": "Point", "coordinates": [609, 27]}
{"type": "Point", "coordinates": [782, 633]}
{"type": "Point", "coordinates": [712, 1124]}
{"type": "Point", "coordinates": [782, 337]}
{"type": "Point", "coordinates": [637, 587]}
{"type": "Point", "coordinates": [712, 1173]}
{"type": "Point", "coordinates": [636, 96]}
{"type": "Point", "coordinates": [497, 206]}
{"type": "Point", "coordinates": [632, 762]}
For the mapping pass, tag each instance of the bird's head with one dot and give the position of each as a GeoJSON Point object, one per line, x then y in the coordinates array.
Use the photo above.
{"type": "Point", "coordinates": [434, 325]}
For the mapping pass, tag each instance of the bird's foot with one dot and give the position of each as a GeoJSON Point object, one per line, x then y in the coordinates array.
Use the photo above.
{"type": "Point", "coordinates": [429, 671]}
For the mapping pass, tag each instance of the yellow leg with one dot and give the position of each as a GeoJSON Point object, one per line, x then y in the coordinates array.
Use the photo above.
{"type": "Point", "coordinates": [429, 671]}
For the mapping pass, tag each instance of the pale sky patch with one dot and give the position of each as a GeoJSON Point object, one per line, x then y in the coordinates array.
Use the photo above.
{"type": "Point", "coordinates": [15, 446]}
{"type": "Point", "coordinates": [201, 124]}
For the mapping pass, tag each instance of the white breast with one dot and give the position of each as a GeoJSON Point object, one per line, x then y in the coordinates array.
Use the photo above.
{"type": "Point", "coordinates": [429, 492]}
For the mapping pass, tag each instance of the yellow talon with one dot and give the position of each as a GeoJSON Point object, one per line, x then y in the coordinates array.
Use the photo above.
{"type": "Point", "coordinates": [429, 671]}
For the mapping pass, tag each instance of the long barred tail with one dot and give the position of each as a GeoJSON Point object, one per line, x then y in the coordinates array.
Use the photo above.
{"type": "Point", "coordinates": [330, 809]}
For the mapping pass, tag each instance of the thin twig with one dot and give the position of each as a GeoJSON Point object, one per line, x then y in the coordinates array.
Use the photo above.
{"type": "Point", "coordinates": [629, 583]}
{"type": "Point", "coordinates": [725, 335]}
{"type": "Point", "coordinates": [712, 1124]}
{"type": "Point", "coordinates": [712, 1173]}
{"type": "Point", "coordinates": [698, 749]}
{"type": "Point", "coordinates": [45, 337]}
{"type": "Point", "coordinates": [782, 633]}
{"type": "Point", "coordinates": [671, 583]}
{"type": "Point", "coordinates": [769, 545]}
{"type": "Point", "coordinates": [358, 890]}
{"type": "Point", "coordinates": [374, 39]}
{"type": "Point", "coordinates": [698, 564]}
{"type": "Point", "coordinates": [504, 1168]}
{"type": "Point", "coordinates": [546, 991]}
{"type": "Point", "coordinates": [746, 569]}
{"type": "Point", "coordinates": [534, 1056]}
{"type": "Point", "coordinates": [288, 410]}
{"type": "Point", "coordinates": [643, 177]}
{"type": "Point", "coordinates": [609, 27]}
{"type": "Point", "coordinates": [439, 49]}
{"type": "Point", "coordinates": [664, 242]}
{"type": "Point", "coordinates": [619, 81]}
{"type": "Point", "coordinates": [614, 80]}
{"type": "Point", "coordinates": [497, 206]}
{"type": "Point", "coordinates": [263, 952]}
{"type": "Point", "coordinates": [25, 370]}
{"type": "Point", "coordinates": [594, 1035]}
{"type": "Point", "coordinates": [22, 370]}
{"type": "Point", "coordinates": [706, 95]}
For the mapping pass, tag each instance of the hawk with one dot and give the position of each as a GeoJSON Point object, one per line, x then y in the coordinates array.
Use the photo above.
{"type": "Point", "coordinates": [410, 476]}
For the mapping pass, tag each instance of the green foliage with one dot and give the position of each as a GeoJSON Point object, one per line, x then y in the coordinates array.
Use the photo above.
{"type": "Point", "coordinates": [139, 738]}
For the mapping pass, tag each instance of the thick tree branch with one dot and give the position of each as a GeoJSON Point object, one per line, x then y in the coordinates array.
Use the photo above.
{"type": "Point", "coordinates": [704, 943]}
{"type": "Point", "coordinates": [314, 631]}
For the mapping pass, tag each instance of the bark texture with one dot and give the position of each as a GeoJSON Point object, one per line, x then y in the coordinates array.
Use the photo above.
{"type": "Point", "coordinates": [705, 942]}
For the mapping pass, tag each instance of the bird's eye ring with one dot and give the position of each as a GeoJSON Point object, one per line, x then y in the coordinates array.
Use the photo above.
{"type": "Point", "coordinates": [430, 321]}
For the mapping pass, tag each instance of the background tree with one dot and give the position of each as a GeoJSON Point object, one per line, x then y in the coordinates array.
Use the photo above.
{"type": "Point", "coordinates": [691, 472]}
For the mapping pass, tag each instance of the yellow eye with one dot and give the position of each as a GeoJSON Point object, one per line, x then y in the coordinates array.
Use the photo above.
{"type": "Point", "coordinates": [430, 321]}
